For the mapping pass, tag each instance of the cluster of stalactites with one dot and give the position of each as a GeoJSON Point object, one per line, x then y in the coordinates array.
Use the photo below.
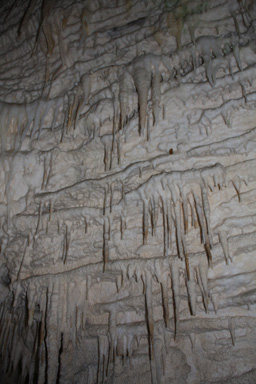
{"type": "Point", "coordinates": [31, 117]}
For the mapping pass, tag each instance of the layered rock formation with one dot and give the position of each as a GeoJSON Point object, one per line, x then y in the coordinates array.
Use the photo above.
{"type": "Point", "coordinates": [128, 191]}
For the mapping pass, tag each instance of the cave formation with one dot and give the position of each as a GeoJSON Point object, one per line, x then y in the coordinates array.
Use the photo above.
{"type": "Point", "coordinates": [128, 191]}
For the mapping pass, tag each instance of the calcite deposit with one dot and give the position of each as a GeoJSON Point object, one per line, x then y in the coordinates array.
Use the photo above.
{"type": "Point", "coordinates": [128, 191]}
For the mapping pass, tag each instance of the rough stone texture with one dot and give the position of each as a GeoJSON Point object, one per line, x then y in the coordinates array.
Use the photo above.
{"type": "Point", "coordinates": [128, 191]}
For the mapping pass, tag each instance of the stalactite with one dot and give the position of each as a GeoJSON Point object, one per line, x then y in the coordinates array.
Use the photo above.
{"type": "Point", "coordinates": [237, 185]}
{"type": "Point", "coordinates": [112, 334]}
{"type": "Point", "coordinates": [192, 338]}
{"type": "Point", "coordinates": [66, 244]}
{"type": "Point", "coordinates": [224, 243]}
{"type": "Point", "coordinates": [56, 110]}
{"type": "Point", "coordinates": [106, 231]}
{"type": "Point", "coordinates": [142, 81]}
{"type": "Point", "coordinates": [145, 221]}
{"type": "Point", "coordinates": [205, 237]}
{"type": "Point", "coordinates": [44, 22]}
{"type": "Point", "coordinates": [155, 214]}
{"type": "Point", "coordinates": [215, 297]}
{"type": "Point", "coordinates": [191, 286]}
{"type": "Point", "coordinates": [165, 228]}
{"type": "Point", "coordinates": [50, 210]}
{"type": "Point", "coordinates": [85, 19]}
{"type": "Point", "coordinates": [156, 94]}
{"type": "Point", "coordinates": [203, 277]}
{"type": "Point", "coordinates": [175, 275]}
{"type": "Point", "coordinates": [124, 99]}
{"type": "Point", "coordinates": [178, 230]}
{"type": "Point", "coordinates": [118, 150]}
{"type": "Point", "coordinates": [111, 198]}
{"type": "Point", "coordinates": [232, 330]}
{"type": "Point", "coordinates": [52, 339]}
{"type": "Point", "coordinates": [48, 33]}
{"type": "Point", "coordinates": [71, 107]}
{"type": "Point", "coordinates": [187, 264]}
{"type": "Point", "coordinates": [122, 226]}
{"type": "Point", "coordinates": [105, 158]}
{"type": "Point", "coordinates": [164, 284]}
{"type": "Point", "coordinates": [206, 207]}
{"type": "Point", "coordinates": [175, 23]}
{"type": "Point", "coordinates": [85, 225]}
{"type": "Point", "coordinates": [169, 222]}
{"type": "Point", "coordinates": [160, 358]}
{"type": "Point", "coordinates": [150, 322]}
{"type": "Point", "coordinates": [44, 175]}
{"type": "Point", "coordinates": [22, 260]}
{"type": "Point", "coordinates": [103, 345]}
{"type": "Point", "coordinates": [184, 209]}
{"type": "Point", "coordinates": [106, 189]}
{"type": "Point", "coordinates": [31, 294]}
{"type": "Point", "coordinates": [27, 15]}
{"type": "Point", "coordinates": [40, 210]}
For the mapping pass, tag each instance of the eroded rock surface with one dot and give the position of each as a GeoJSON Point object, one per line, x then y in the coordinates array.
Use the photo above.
{"type": "Point", "coordinates": [128, 191]}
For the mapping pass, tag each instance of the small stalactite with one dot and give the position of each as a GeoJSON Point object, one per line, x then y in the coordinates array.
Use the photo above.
{"type": "Point", "coordinates": [175, 276]}
{"type": "Point", "coordinates": [175, 22]}
{"type": "Point", "coordinates": [52, 340]}
{"type": "Point", "coordinates": [178, 230]}
{"type": "Point", "coordinates": [44, 175]}
{"type": "Point", "coordinates": [224, 243]}
{"type": "Point", "coordinates": [106, 190]}
{"type": "Point", "coordinates": [192, 338]}
{"type": "Point", "coordinates": [232, 330]}
{"type": "Point", "coordinates": [237, 185]}
{"type": "Point", "coordinates": [215, 298]}
{"type": "Point", "coordinates": [124, 100]}
{"type": "Point", "coordinates": [42, 338]}
{"type": "Point", "coordinates": [142, 81]}
{"type": "Point", "coordinates": [85, 18]}
{"type": "Point", "coordinates": [103, 347]}
{"type": "Point", "coordinates": [112, 335]}
{"type": "Point", "coordinates": [111, 198]}
{"type": "Point", "coordinates": [165, 227]}
{"type": "Point", "coordinates": [145, 221]}
{"type": "Point", "coordinates": [40, 210]}
{"type": "Point", "coordinates": [26, 16]}
{"type": "Point", "coordinates": [118, 150]}
{"type": "Point", "coordinates": [155, 213]}
{"type": "Point", "coordinates": [184, 209]}
{"type": "Point", "coordinates": [106, 158]}
{"type": "Point", "coordinates": [23, 258]}
{"type": "Point", "coordinates": [187, 265]}
{"type": "Point", "coordinates": [169, 219]}
{"type": "Point", "coordinates": [106, 237]}
{"type": "Point", "coordinates": [191, 287]}
{"type": "Point", "coordinates": [66, 244]}
{"type": "Point", "coordinates": [156, 95]}
{"type": "Point", "coordinates": [85, 225]}
{"type": "Point", "coordinates": [164, 285]}
{"type": "Point", "coordinates": [122, 226]}
{"type": "Point", "coordinates": [31, 293]}
{"type": "Point", "coordinates": [71, 105]}
{"type": "Point", "coordinates": [206, 207]}
{"type": "Point", "coordinates": [148, 128]}
{"type": "Point", "coordinates": [162, 277]}
{"type": "Point", "coordinates": [202, 274]}
{"type": "Point", "coordinates": [147, 278]}
{"type": "Point", "coordinates": [51, 203]}
{"type": "Point", "coordinates": [160, 358]}
{"type": "Point", "coordinates": [203, 227]}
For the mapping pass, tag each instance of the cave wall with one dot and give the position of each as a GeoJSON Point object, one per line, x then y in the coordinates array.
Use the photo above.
{"type": "Point", "coordinates": [128, 191]}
